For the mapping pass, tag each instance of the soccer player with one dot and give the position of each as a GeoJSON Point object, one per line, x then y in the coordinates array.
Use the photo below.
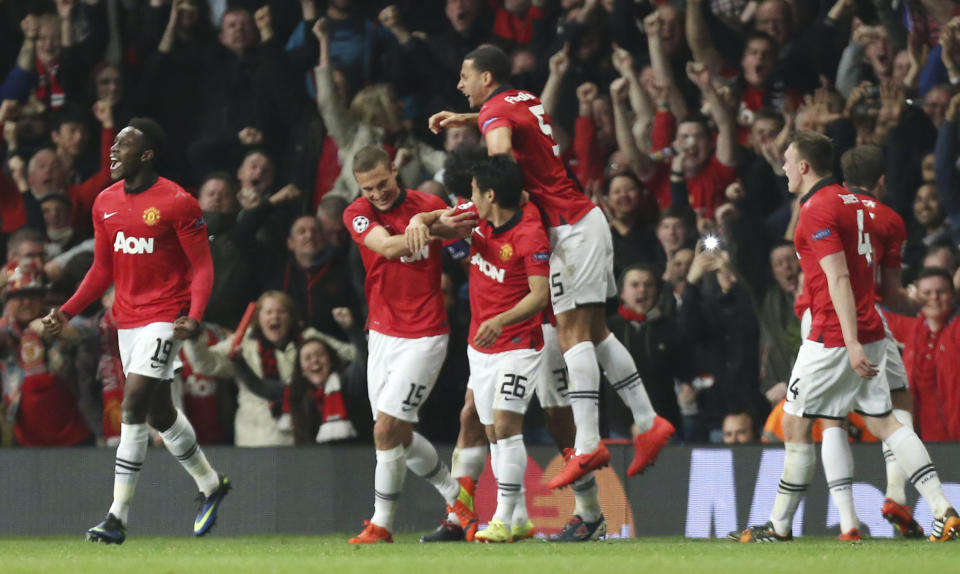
{"type": "Point", "coordinates": [834, 367]}
{"type": "Point", "coordinates": [151, 243]}
{"type": "Point", "coordinates": [509, 264]}
{"type": "Point", "coordinates": [581, 262]}
{"type": "Point", "coordinates": [408, 336]}
{"type": "Point", "coordinates": [470, 454]}
{"type": "Point", "coordinates": [863, 169]}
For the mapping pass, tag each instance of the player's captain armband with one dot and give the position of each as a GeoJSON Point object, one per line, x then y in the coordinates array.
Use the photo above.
{"type": "Point", "coordinates": [541, 256]}
{"type": "Point", "coordinates": [488, 122]}
{"type": "Point", "coordinates": [360, 224]}
{"type": "Point", "coordinates": [822, 234]}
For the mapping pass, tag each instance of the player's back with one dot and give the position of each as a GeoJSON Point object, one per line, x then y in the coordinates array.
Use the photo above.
{"type": "Point", "coordinates": [544, 175]}
{"type": "Point", "coordinates": [833, 219]}
{"type": "Point", "coordinates": [889, 231]}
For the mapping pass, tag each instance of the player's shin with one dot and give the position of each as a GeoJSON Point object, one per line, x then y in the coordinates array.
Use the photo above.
{"type": "Point", "coordinates": [798, 465]}
{"type": "Point", "coordinates": [131, 452]}
{"type": "Point", "coordinates": [181, 440]}
{"type": "Point", "coordinates": [838, 468]}
{"type": "Point", "coordinates": [584, 394]}
{"type": "Point", "coordinates": [422, 460]}
{"type": "Point", "coordinates": [621, 371]}
{"type": "Point", "coordinates": [915, 462]}
{"type": "Point", "coordinates": [512, 468]}
{"type": "Point", "coordinates": [387, 484]}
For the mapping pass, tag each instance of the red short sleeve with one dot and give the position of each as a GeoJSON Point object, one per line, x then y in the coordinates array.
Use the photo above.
{"type": "Point", "coordinates": [490, 117]}
{"type": "Point", "coordinates": [822, 232]}
{"type": "Point", "coordinates": [360, 218]}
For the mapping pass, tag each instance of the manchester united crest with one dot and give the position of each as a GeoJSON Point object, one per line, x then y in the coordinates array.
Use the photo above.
{"type": "Point", "coordinates": [151, 215]}
{"type": "Point", "coordinates": [506, 252]}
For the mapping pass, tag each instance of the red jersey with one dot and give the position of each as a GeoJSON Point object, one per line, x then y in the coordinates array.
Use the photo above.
{"type": "Point", "coordinates": [152, 245]}
{"type": "Point", "coordinates": [544, 175]}
{"type": "Point", "coordinates": [832, 219]}
{"type": "Point", "coordinates": [887, 237]}
{"type": "Point", "coordinates": [403, 294]}
{"type": "Point", "coordinates": [501, 261]}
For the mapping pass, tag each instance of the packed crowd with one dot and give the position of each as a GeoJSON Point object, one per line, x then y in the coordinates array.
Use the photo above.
{"type": "Point", "coordinates": [672, 116]}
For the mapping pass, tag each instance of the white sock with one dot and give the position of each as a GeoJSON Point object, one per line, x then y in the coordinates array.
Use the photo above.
{"type": "Point", "coordinates": [587, 505]}
{"type": "Point", "coordinates": [799, 461]}
{"type": "Point", "coordinates": [423, 460]}
{"type": "Point", "coordinates": [495, 460]}
{"type": "Point", "coordinates": [468, 461]}
{"type": "Point", "coordinates": [181, 440]}
{"type": "Point", "coordinates": [838, 468]}
{"type": "Point", "coordinates": [621, 371]}
{"type": "Point", "coordinates": [916, 463]}
{"type": "Point", "coordinates": [387, 485]}
{"type": "Point", "coordinates": [520, 514]}
{"type": "Point", "coordinates": [896, 478]}
{"type": "Point", "coordinates": [131, 452]}
{"type": "Point", "coordinates": [512, 467]}
{"type": "Point", "coordinates": [584, 394]}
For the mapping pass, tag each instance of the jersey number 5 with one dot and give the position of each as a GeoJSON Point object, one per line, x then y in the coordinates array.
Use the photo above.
{"type": "Point", "coordinates": [547, 130]}
{"type": "Point", "coordinates": [863, 240]}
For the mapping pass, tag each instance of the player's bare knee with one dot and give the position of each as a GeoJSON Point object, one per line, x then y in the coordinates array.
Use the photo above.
{"type": "Point", "coordinates": [560, 426]}
{"type": "Point", "coordinates": [797, 429]}
{"type": "Point", "coordinates": [390, 432]}
{"type": "Point", "coordinates": [830, 423]}
{"type": "Point", "coordinates": [161, 416]}
{"type": "Point", "coordinates": [507, 424]}
{"type": "Point", "coordinates": [491, 433]}
{"type": "Point", "coordinates": [902, 400]}
{"type": "Point", "coordinates": [882, 427]}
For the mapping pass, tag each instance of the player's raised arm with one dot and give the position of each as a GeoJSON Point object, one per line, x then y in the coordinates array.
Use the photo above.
{"type": "Point", "coordinates": [841, 294]}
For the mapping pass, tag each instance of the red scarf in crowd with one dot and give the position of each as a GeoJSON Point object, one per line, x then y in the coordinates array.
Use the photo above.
{"type": "Point", "coordinates": [630, 315]}
{"type": "Point", "coordinates": [48, 87]}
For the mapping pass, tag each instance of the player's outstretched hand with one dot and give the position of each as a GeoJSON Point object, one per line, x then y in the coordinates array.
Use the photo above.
{"type": "Point", "coordinates": [860, 363]}
{"type": "Point", "coordinates": [436, 121]}
{"type": "Point", "coordinates": [185, 328]}
{"type": "Point", "coordinates": [54, 321]}
{"type": "Point", "coordinates": [487, 333]}
{"type": "Point", "coordinates": [460, 221]}
{"type": "Point", "coordinates": [417, 235]}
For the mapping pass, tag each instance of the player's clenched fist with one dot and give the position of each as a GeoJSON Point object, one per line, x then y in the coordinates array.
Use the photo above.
{"type": "Point", "coordinates": [54, 321]}
{"type": "Point", "coordinates": [185, 328]}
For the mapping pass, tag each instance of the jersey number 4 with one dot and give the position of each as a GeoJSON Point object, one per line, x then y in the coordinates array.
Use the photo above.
{"type": "Point", "coordinates": [541, 115]}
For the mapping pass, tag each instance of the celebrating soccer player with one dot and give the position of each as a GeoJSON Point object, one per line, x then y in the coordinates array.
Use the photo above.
{"type": "Point", "coordinates": [408, 337]}
{"type": "Point", "coordinates": [151, 243]}
{"type": "Point", "coordinates": [836, 363]}
{"type": "Point", "coordinates": [581, 263]}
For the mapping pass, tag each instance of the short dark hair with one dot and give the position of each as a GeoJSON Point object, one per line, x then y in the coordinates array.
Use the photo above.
{"type": "Point", "coordinates": [20, 236]}
{"type": "Point", "coordinates": [489, 58]}
{"type": "Point", "coordinates": [369, 157]}
{"type": "Point", "coordinates": [69, 114]}
{"type": "Point", "coordinates": [458, 168]}
{"type": "Point", "coordinates": [684, 213]}
{"type": "Point", "coordinates": [222, 176]}
{"type": "Point", "coordinates": [627, 174]}
{"type": "Point", "coordinates": [645, 267]}
{"type": "Point", "coordinates": [501, 174]}
{"type": "Point", "coordinates": [769, 114]}
{"type": "Point", "coordinates": [862, 166]}
{"type": "Point", "coordinates": [815, 149]}
{"type": "Point", "coordinates": [154, 138]}
{"type": "Point", "coordinates": [927, 272]}
{"type": "Point", "coordinates": [758, 35]}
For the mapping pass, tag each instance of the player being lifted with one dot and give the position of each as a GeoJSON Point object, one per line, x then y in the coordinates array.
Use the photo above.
{"type": "Point", "coordinates": [581, 262]}
{"type": "Point", "coordinates": [151, 243]}
{"type": "Point", "coordinates": [408, 336]}
{"type": "Point", "coordinates": [509, 264]}
{"type": "Point", "coordinates": [834, 367]}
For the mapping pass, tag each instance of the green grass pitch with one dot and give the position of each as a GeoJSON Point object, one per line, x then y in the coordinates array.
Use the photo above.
{"type": "Point", "coordinates": [282, 554]}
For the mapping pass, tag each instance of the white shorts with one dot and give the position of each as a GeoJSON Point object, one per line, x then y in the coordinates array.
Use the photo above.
{"type": "Point", "coordinates": [401, 373]}
{"type": "Point", "coordinates": [892, 363]}
{"type": "Point", "coordinates": [823, 384]}
{"type": "Point", "coordinates": [150, 351]}
{"type": "Point", "coordinates": [552, 386]}
{"type": "Point", "coordinates": [503, 381]}
{"type": "Point", "coordinates": [581, 263]}
{"type": "Point", "coordinates": [893, 366]}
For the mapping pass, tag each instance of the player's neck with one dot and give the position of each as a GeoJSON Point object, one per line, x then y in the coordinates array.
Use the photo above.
{"type": "Point", "coordinates": [499, 216]}
{"type": "Point", "coordinates": [140, 181]}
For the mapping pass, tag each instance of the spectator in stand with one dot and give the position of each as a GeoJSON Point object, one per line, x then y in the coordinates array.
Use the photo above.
{"type": "Point", "coordinates": [37, 399]}
{"type": "Point", "coordinates": [373, 118]}
{"type": "Point", "coordinates": [263, 366]}
{"type": "Point", "coordinates": [738, 429]}
{"type": "Point", "coordinates": [256, 177]}
{"type": "Point", "coordinates": [675, 280]}
{"type": "Point", "coordinates": [315, 276]}
{"type": "Point", "coordinates": [931, 346]}
{"type": "Point", "coordinates": [718, 320]}
{"type": "Point", "coordinates": [57, 218]}
{"type": "Point", "coordinates": [206, 400]}
{"type": "Point", "coordinates": [945, 166]}
{"type": "Point", "coordinates": [779, 325]}
{"type": "Point", "coordinates": [675, 230]}
{"type": "Point", "coordinates": [661, 355]}
{"type": "Point", "coordinates": [630, 224]}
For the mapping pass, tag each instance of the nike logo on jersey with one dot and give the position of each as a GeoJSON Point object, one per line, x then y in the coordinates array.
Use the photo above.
{"type": "Point", "coordinates": [109, 215]}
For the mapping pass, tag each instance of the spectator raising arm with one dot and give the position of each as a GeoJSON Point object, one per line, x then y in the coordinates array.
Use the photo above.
{"type": "Point", "coordinates": [640, 163]}
{"type": "Point", "coordinates": [662, 71]}
{"type": "Point", "coordinates": [945, 163]}
{"type": "Point", "coordinates": [719, 111]}
{"type": "Point", "coordinates": [698, 37]}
